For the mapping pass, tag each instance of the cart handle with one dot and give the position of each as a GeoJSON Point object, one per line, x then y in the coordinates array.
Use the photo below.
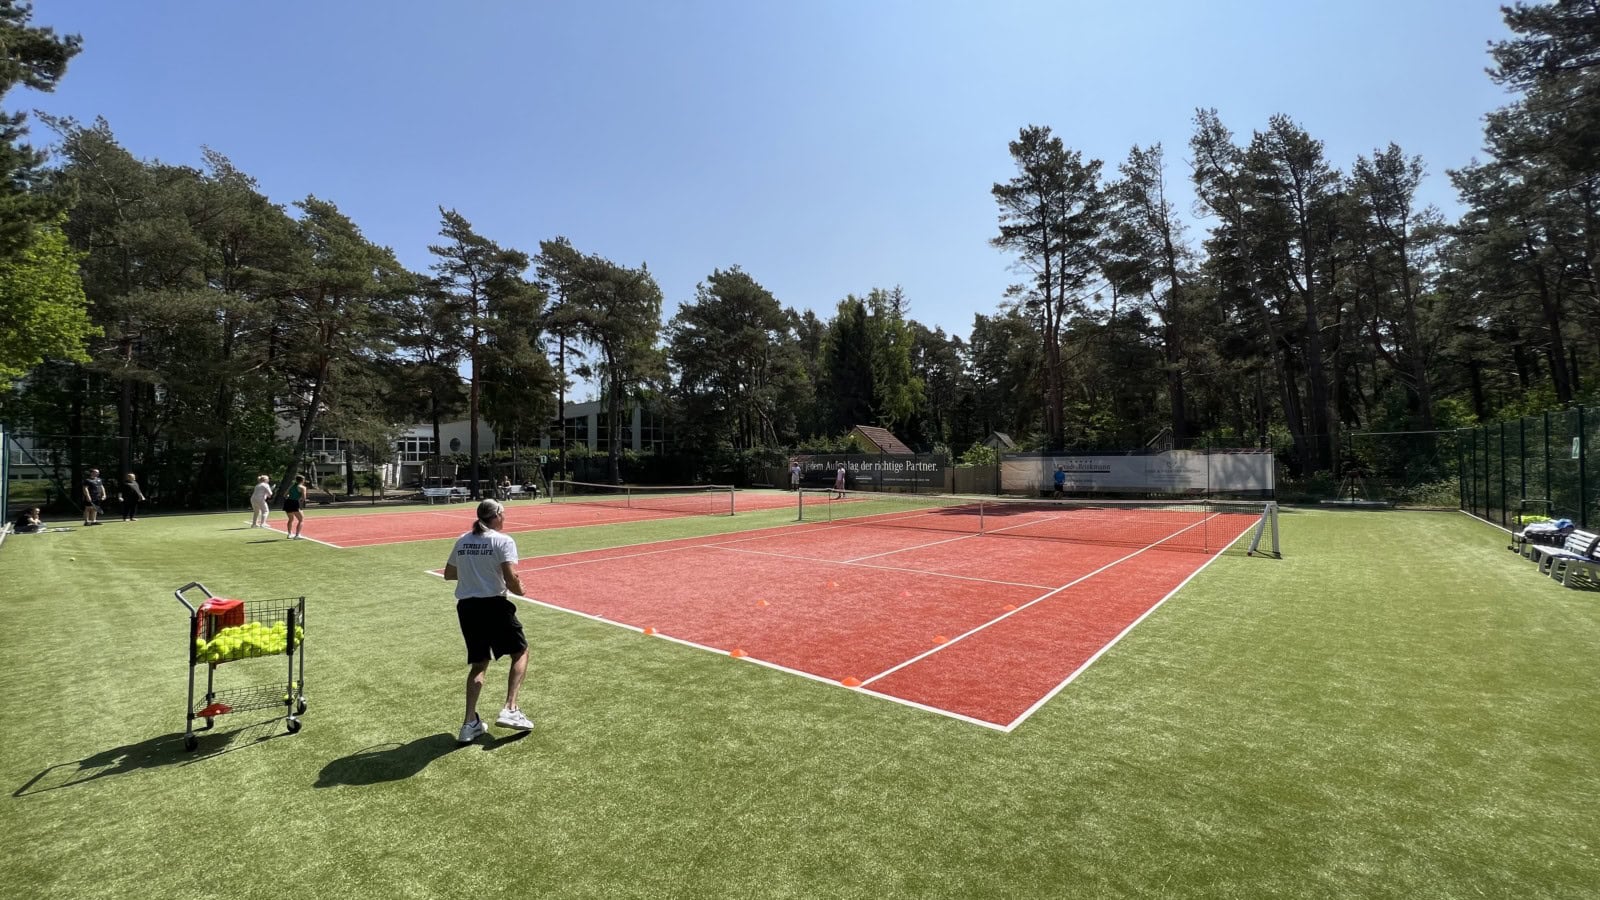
{"type": "Point", "coordinates": [189, 587]}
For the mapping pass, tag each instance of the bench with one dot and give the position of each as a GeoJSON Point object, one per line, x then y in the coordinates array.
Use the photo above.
{"type": "Point", "coordinates": [1573, 563]}
{"type": "Point", "coordinates": [444, 493]}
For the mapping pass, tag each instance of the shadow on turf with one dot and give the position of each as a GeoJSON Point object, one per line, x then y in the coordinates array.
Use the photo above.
{"type": "Point", "coordinates": [392, 762]}
{"type": "Point", "coordinates": [165, 750]}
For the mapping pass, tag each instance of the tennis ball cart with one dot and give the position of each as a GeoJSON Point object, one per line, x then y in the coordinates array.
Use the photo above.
{"type": "Point", "coordinates": [223, 630]}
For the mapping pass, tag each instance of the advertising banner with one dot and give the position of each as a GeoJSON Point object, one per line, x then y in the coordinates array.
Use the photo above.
{"type": "Point", "coordinates": [1171, 472]}
{"type": "Point", "coordinates": [871, 472]}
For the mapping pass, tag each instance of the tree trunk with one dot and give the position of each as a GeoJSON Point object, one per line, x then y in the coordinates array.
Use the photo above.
{"type": "Point", "coordinates": [306, 425]}
{"type": "Point", "coordinates": [472, 404]}
{"type": "Point", "coordinates": [614, 429]}
{"type": "Point", "coordinates": [1555, 352]}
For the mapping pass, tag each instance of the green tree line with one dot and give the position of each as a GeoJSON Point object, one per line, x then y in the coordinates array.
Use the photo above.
{"type": "Point", "coordinates": [171, 304]}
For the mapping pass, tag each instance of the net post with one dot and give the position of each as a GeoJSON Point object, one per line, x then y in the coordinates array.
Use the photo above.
{"type": "Point", "coordinates": [1268, 521]}
{"type": "Point", "coordinates": [1272, 510]}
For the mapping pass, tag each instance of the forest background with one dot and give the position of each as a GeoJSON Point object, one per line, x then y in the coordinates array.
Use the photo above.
{"type": "Point", "coordinates": [176, 312]}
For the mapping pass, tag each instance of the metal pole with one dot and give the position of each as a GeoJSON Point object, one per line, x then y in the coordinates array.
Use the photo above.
{"type": "Point", "coordinates": [1522, 459]}
{"type": "Point", "coordinates": [1583, 481]}
{"type": "Point", "coordinates": [1502, 474]}
{"type": "Point", "coordinates": [1550, 505]}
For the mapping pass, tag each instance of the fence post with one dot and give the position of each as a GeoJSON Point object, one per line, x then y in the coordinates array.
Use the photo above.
{"type": "Point", "coordinates": [1502, 473]}
{"type": "Point", "coordinates": [1583, 486]}
{"type": "Point", "coordinates": [1550, 504]}
{"type": "Point", "coordinates": [5, 473]}
{"type": "Point", "coordinates": [1522, 460]}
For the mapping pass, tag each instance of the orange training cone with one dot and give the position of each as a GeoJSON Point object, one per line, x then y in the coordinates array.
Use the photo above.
{"type": "Point", "coordinates": [852, 681]}
{"type": "Point", "coordinates": [1008, 607]}
{"type": "Point", "coordinates": [649, 630]}
{"type": "Point", "coordinates": [939, 639]}
{"type": "Point", "coordinates": [736, 653]}
{"type": "Point", "coordinates": [762, 603]}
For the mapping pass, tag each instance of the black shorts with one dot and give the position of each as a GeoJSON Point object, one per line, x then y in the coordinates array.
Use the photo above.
{"type": "Point", "coordinates": [291, 506]}
{"type": "Point", "coordinates": [490, 627]}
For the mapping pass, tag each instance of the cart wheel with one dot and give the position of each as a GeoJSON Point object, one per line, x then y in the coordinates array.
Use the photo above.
{"type": "Point", "coordinates": [293, 725]}
{"type": "Point", "coordinates": [300, 710]}
{"type": "Point", "coordinates": [190, 742]}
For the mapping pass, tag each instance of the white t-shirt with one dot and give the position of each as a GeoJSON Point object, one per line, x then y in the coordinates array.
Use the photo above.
{"type": "Point", "coordinates": [262, 492]}
{"type": "Point", "coordinates": [477, 558]}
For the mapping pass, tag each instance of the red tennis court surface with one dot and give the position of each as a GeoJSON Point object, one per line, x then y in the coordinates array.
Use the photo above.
{"type": "Point", "coordinates": [984, 628]}
{"type": "Point", "coordinates": [452, 520]}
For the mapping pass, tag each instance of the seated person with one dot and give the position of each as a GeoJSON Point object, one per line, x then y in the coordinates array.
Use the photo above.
{"type": "Point", "coordinates": [27, 522]}
{"type": "Point", "coordinates": [532, 490]}
{"type": "Point", "coordinates": [505, 489]}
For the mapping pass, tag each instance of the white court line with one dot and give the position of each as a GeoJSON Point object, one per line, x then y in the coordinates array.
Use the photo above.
{"type": "Point", "coordinates": [755, 534]}
{"type": "Point", "coordinates": [750, 659]}
{"type": "Point", "coordinates": [285, 533]}
{"type": "Point", "coordinates": [836, 562]}
{"type": "Point", "coordinates": [1113, 642]}
{"type": "Point", "coordinates": [1003, 616]}
{"type": "Point", "coordinates": [959, 537]}
{"type": "Point", "coordinates": [863, 688]}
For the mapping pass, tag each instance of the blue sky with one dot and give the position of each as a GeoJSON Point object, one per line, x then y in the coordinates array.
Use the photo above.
{"type": "Point", "coordinates": [825, 147]}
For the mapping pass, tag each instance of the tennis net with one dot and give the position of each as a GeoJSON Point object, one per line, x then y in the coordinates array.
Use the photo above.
{"type": "Point", "coordinates": [1199, 525]}
{"type": "Point", "coordinates": [692, 500]}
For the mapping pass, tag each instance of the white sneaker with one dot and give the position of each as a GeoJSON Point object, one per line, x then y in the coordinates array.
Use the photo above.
{"type": "Point", "coordinates": [471, 731]}
{"type": "Point", "coordinates": [513, 718]}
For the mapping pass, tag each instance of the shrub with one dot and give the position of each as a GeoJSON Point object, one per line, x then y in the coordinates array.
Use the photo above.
{"type": "Point", "coordinates": [1445, 492]}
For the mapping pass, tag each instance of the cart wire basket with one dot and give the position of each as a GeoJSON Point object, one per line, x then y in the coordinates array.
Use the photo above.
{"type": "Point", "coordinates": [223, 630]}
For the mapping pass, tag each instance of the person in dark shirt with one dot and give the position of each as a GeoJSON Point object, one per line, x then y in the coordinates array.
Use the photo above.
{"type": "Point", "coordinates": [94, 494]}
{"type": "Point", "coordinates": [1061, 482]}
{"type": "Point", "coordinates": [131, 498]}
{"type": "Point", "coordinates": [28, 522]}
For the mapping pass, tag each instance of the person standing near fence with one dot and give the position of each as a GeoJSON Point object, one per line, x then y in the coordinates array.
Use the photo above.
{"type": "Point", "coordinates": [1061, 481]}
{"type": "Point", "coordinates": [260, 502]}
{"type": "Point", "coordinates": [794, 475]}
{"type": "Point", "coordinates": [94, 494]}
{"type": "Point", "coordinates": [293, 500]}
{"type": "Point", "coordinates": [483, 565]}
{"type": "Point", "coordinates": [838, 480]}
{"type": "Point", "coordinates": [131, 498]}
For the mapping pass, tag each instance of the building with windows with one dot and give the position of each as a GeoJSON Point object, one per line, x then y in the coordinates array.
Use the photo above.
{"type": "Point", "coordinates": [585, 425]}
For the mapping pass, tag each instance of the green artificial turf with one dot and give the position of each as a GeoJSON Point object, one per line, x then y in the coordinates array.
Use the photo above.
{"type": "Point", "coordinates": [1399, 708]}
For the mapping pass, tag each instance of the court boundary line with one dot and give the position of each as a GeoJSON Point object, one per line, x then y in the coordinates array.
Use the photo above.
{"type": "Point", "coordinates": [859, 565]}
{"type": "Point", "coordinates": [286, 537]}
{"type": "Point", "coordinates": [1073, 675]}
{"type": "Point", "coordinates": [864, 688]}
{"type": "Point", "coordinates": [949, 714]}
{"type": "Point", "coordinates": [1041, 598]}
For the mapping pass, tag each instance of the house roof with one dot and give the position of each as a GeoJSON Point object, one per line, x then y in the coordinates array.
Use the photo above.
{"type": "Point", "coordinates": [883, 440]}
{"type": "Point", "coordinates": [1000, 439]}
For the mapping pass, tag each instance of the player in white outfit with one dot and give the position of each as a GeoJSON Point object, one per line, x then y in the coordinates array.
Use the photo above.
{"type": "Point", "coordinates": [260, 500]}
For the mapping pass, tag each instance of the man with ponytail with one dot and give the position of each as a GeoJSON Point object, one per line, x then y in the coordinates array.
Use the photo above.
{"type": "Point", "coordinates": [483, 565]}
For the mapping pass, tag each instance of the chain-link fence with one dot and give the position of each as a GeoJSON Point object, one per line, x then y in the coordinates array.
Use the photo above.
{"type": "Point", "coordinates": [1411, 468]}
{"type": "Point", "coordinates": [46, 470]}
{"type": "Point", "coordinates": [1538, 465]}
